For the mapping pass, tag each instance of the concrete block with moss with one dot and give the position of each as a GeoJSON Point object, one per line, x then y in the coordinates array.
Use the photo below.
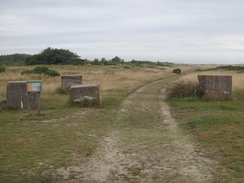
{"type": "Point", "coordinates": [86, 93]}
{"type": "Point", "coordinates": [17, 95]}
{"type": "Point", "coordinates": [215, 87]}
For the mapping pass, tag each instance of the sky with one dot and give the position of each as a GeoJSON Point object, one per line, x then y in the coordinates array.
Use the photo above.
{"type": "Point", "coordinates": [179, 31]}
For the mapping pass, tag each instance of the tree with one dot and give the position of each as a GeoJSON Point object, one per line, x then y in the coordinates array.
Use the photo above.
{"type": "Point", "coordinates": [51, 56]}
{"type": "Point", "coordinates": [13, 59]}
{"type": "Point", "coordinates": [116, 60]}
{"type": "Point", "coordinates": [177, 71]}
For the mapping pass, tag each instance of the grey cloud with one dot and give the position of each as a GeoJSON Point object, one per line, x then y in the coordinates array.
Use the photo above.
{"type": "Point", "coordinates": [153, 29]}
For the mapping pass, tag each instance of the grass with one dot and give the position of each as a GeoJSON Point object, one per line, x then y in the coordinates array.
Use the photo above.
{"type": "Point", "coordinates": [109, 77]}
{"type": "Point", "coordinates": [218, 126]}
{"type": "Point", "coordinates": [33, 147]}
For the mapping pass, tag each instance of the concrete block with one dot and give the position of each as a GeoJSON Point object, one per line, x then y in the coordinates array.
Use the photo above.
{"type": "Point", "coordinates": [68, 81]}
{"type": "Point", "coordinates": [17, 95]}
{"type": "Point", "coordinates": [215, 87]}
{"type": "Point", "coordinates": [90, 92]}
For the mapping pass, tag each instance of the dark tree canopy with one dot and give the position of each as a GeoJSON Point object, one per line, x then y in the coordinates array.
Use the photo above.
{"type": "Point", "coordinates": [53, 56]}
{"type": "Point", "coordinates": [13, 59]}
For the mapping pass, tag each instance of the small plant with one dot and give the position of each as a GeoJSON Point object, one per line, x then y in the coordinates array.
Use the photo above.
{"type": "Point", "coordinates": [177, 71]}
{"type": "Point", "coordinates": [60, 91]}
{"type": "Point", "coordinates": [2, 69]}
{"type": "Point", "coordinates": [184, 89]}
{"type": "Point", "coordinates": [42, 70]}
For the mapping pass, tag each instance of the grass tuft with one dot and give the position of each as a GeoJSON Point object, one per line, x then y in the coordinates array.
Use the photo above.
{"type": "Point", "coordinates": [184, 89]}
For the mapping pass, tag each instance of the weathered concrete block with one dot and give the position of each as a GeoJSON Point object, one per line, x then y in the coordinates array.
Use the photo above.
{"type": "Point", "coordinates": [68, 81]}
{"type": "Point", "coordinates": [17, 95]}
{"type": "Point", "coordinates": [215, 87]}
{"type": "Point", "coordinates": [90, 92]}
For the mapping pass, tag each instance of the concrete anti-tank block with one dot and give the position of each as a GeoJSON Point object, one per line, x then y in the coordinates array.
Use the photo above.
{"type": "Point", "coordinates": [90, 92]}
{"type": "Point", "coordinates": [215, 87]}
{"type": "Point", "coordinates": [17, 95]}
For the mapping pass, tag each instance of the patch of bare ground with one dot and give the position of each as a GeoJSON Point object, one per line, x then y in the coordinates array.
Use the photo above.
{"type": "Point", "coordinates": [165, 153]}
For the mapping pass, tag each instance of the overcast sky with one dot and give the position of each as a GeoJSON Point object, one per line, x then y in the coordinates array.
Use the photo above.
{"type": "Point", "coordinates": [182, 31]}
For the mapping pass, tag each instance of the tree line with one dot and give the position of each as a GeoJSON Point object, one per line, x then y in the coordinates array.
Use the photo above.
{"type": "Point", "coordinates": [54, 56]}
{"type": "Point", "coordinates": [13, 59]}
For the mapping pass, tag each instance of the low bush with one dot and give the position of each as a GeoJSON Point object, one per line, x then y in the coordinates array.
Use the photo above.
{"type": "Point", "coordinates": [42, 70]}
{"type": "Point", "coordinates": [2, 69]}
{"type": "Point", "coordinates": [60, 91]}
{"type": "Point", "coordinates": [177, 71]}
{"type": "Point", "coordinates": [184, 89]}
{"type": "Point", "coordinates": [227, 68]}
{"type": "Point", "coordinates": [238, 94]}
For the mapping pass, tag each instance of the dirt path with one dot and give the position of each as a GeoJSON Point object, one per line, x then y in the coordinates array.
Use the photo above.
{"type": "Point", "coordinates": [145, 145]}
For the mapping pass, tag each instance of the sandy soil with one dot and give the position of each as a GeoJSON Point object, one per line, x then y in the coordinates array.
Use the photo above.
{"type": "Point", "coordinates": [178, 159]}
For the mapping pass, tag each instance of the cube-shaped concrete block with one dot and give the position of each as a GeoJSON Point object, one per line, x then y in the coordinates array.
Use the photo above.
{"type": "Point", "coordinates": [215, 87]}
{"type": "Point", "coordinates": [17, 95]}
{"type": "Point", "coordinates": [68, 81]}
{"type": "Point", "coordinates": [86, 92]}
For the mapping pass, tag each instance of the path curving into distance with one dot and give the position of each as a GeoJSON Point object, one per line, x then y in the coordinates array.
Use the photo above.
{"type": "Point", "coordinates": [146, 145]}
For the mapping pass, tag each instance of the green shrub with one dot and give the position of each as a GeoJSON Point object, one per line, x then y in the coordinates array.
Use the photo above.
{"type": "Point", "coordinates": [60, 91]}
{"type": "Point", "coordinates": [2, 69]}
{"type": "Point", "coordinates": [228, 68]}
{"type": "Point", "coordinates": [184, 89]}
{"type": "Point", "coordinates": [177, 71]}
{"type": "Point", "coordinates": [42, 70]}
{"type": "Point", "coordinates": [238, 94]}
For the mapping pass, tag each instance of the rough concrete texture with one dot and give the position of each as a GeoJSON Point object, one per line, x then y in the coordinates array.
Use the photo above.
{"type": "Point", "coordinates": [17, 95]}
{"type": "Point", "coordinates": [85, 91]}
{"type": "Point", "coordinates": [68, 81]}
{"type": "Point", "coordinates": [215, 87]}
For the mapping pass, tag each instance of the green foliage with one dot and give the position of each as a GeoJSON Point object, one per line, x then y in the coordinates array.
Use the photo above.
{"type": "Point", "coordinates": [229, 68]}
{"type": "Point", "coordinates": [184, 89]}
{"type": "Point", "coordinates": [2, 69]}
{"type": "Point", "coordinates": [14, 59]}
{"type": "Point", "coordinates": [42, 70]}
{"type": "Point", "coordinates": [177, 71]}
{"type": "Point", "coordinates": [51, 56]}
{"type": "Point", "coordinates": [238, 94]}
{"type": "Point", "coordinates": [60, 91]}
{"type": "Point", "coordinates": [117, 60]}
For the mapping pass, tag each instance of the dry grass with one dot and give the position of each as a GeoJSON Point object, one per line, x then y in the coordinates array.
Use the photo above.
{"type": "Point", "coordinates": [237, 78]}
{"type": "Point", "coordinates": [109, 77]}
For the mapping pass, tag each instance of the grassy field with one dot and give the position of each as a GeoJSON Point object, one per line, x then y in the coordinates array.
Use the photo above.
{"type": "Point", "coordinates": [217, 126]}
{"type": "Point", "coordinates": [33, 147]}
{"type": "Point", "coordinates": [237, 80]}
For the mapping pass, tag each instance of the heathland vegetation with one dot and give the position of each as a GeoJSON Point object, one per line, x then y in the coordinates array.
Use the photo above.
{"type": "Point", "coordinates": [54, 56]}
{"type": "Point", "coordinates": [33, 147]}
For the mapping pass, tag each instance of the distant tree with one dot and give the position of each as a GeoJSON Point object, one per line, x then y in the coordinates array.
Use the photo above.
{"type": "Point", "coordinates": [2, 69]}
{"type": "Point", "coordinates": [177, 71]}
{"type": "Point", "coordinates": [116, 60]}
{"type": "Point", "coordinates": [51, 56]}
{"type": "Point", "coordinates": [96, 62]}
{"type": "Point", "coordinates": [13, 59]}
{"type": "Point", "coordinates": [103, 61]}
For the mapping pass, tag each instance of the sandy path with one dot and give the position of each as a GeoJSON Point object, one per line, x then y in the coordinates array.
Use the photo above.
{"type": "Point", "coordinates": [175, 158]}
